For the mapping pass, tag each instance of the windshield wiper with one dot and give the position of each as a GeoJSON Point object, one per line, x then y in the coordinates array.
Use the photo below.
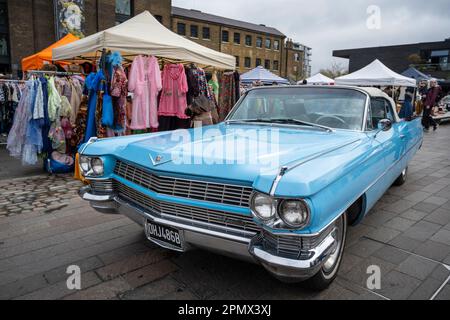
{"type": "Point", "coordinates": [304, 123]}
{"type": "Point", "coordinates": [295, 121]}
{"type": "Point", "coordinates": [250, 121]}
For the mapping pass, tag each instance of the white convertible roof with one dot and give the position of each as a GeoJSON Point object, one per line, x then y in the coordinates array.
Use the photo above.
{"type": "Point", "coordinates": [375, 92]}
{"type": "Point", "coordinates": [143, 34]}
{"type": "Point", "coordinates": [376, 74]}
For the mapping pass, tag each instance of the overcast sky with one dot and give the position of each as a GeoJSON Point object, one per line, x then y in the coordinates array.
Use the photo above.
{"type": "Point", "coordinates": [327, 25]}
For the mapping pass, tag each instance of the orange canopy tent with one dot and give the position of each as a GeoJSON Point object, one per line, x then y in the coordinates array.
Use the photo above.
{"type": "Point", "coordinates": [36, 61]}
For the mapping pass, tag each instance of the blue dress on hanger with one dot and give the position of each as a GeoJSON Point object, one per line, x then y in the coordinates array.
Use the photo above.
{"type": "Point", "coordinates": [94, 84]}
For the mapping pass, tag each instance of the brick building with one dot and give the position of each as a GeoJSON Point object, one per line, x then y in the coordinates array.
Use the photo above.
{"type": "Point", "coordinates": [252, 44]}
{"type": "Point", "coordinates": [28, 26]}
{"type": "Point", "coordinates": [297, 61]}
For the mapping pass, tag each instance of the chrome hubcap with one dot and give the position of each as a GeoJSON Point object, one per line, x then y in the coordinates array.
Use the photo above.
{"type": "Point", "coordinates": [332, 260]}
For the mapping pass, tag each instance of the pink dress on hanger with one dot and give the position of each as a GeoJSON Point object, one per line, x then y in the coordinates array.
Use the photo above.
{"type": "Point", "coordinates": [173, 97]}
{"type": "Point", "coordinates": [145, 83]}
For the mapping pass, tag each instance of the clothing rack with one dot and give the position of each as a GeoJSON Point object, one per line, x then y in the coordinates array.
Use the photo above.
{"type": "Point", "coordinates": [12, 80]}
{"type": "Point", "coordinates": [56, 73]}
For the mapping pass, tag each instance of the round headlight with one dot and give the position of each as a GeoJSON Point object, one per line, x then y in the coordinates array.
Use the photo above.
{"type": "Point", "coordinates": [263, 206]}
{"type": "Point", "coordinates": [294, 213]}
{"type": "Point", "coordinates": [85, 164]}
{"type": "Point", "coordinates": [97, 166]}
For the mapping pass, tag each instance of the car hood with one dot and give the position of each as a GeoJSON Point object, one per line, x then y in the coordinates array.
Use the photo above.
{"type": "Point", "coordinates": [244, 154]}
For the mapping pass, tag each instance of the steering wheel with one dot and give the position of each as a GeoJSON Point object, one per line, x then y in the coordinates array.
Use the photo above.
{"type": "Point", "coordinates": [340, 120]}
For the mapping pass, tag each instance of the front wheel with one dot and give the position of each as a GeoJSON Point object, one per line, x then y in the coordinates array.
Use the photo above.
{"type": "Point", "coordinates": [330, 267]}
{"type": "Point", "coordinates": [401, 180]}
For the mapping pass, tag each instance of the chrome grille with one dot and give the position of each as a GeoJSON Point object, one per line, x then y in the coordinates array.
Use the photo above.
{"type": "Point", "coordinates": [102, 186]}
{"type": "Point", "coordinates": [190, 215]}
{"type": "Point", "coordinates": [192, 189]}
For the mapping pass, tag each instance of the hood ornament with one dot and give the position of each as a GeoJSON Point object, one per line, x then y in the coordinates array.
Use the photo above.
{"type": "Point", "coordinates": [158, 160]}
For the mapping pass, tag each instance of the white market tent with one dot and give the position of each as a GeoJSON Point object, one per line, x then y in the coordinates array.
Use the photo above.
{"type": "Point", "coordinates": [319, 79]}
{"type": "Point", "coordinates": [143, 34]}
{"type": "Point", "coordinates": [376, 74]}
{"type": "Point", "coordinates": [263, 75]}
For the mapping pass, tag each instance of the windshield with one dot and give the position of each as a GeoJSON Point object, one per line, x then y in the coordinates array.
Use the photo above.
{"type": "Point", "coordinates": [335, 108]}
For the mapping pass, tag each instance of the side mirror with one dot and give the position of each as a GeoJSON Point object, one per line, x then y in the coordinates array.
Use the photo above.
{"type": "Point", "coordinates": [385, 125]}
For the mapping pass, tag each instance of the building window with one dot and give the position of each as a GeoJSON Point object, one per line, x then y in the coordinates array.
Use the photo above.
{"type": "Point", "coordinates": [258, 62]}
{"type": "Point", "coordinates": [267, 64]}
{"type": "Point", "coordinates": [237, 38]}
{"type": "Point", "coordinates": [181, 28]}
{"type": "Point", "coordinates": [259, 42]}
{"type": "Point", "coordinates": [159, 18]}
{"type": "Point", "coordinates": [206, 33]}
{"type": "Point", "coordinates": [248, 40]}
{"type": "Point", "coordinates": [276, 65]}
{"type": "Point", "coordinates": [268, 43]}
{"type": "Point", "coordinates": [124, 10]}
{"type": "Point", "coordinates": [5, 63]}
{"type": "Point", "coordinates": [276, 44]}
{"type": "Point", "coordinates": [237, 61]}
{"type": "Point", "coordinates": [296, 57]}
{"type": "Point", "coordinates": [248, 62]}
{"type": "Point", "coordinates": [194, 31]}
{"type": "Point", "coordinates": [225, 36]}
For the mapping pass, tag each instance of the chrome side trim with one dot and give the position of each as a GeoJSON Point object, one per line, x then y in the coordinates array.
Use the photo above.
{"type": "Point", "coordinates": [280, 175]}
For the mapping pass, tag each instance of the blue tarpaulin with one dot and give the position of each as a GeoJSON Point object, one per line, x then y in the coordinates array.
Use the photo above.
{"type": "Point", "coordinates": [263, 75]}
{"type": "Point", "coordinates": [416, 74]}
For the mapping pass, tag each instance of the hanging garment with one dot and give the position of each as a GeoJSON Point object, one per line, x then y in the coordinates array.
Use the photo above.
{"type": "Point", "coordinates": [145, 82]}
{"type": "Point", "coordinates": [193, 85]}
{"type": "Point", "coordinates": [33, 137]}
{"type": "Point", "coordinates": [8, 105]}
{"type": "Point", "coordinates": [79, 128]}
{"type": "Point", "coordinates": [200, 75]}
{"type": "Point", "coordinates": [94, 83]}
{"type": "Point", "coordinates": [227, 95]}
{"type": "Point", "coordinates": [173, 101]}
{"type": "Point", "coordinates": [119, 93]}
{"type": "Point", "coordinates": [214, 84]}
{"type": "Point", "coordinates": [17, 135]}
{"type": "Point", "coordinates": [54, 100]}
{"type": "Point", "coordinates": [75, 100]}
{"type": "Point", "coordinates": [47, 146]}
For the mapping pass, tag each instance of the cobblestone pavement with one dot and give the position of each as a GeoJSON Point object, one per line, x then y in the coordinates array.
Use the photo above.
{"type": "Point", "coordinates": [39, 193]}
{"type": "Point", "coordinates": [407, 235]}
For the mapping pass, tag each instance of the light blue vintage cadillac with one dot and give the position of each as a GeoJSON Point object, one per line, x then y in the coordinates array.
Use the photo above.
{"type": "Point", "coordinates": [276, 183]}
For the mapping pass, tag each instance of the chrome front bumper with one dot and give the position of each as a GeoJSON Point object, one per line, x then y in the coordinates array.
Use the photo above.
{"type": "Point", "coordinates": [224, 243]}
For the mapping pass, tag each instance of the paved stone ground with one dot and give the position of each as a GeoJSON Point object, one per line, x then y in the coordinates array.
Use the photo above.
{"type": "Point", "coordinates": [407, 235]}
{"type": "Point", "coordinates": [11, 168]}
{"type": "Point", "coordinates": [39, 193]}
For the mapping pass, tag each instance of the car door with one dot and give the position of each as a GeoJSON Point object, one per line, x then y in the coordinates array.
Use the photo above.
{"type": "Point", "coordinates": [393, 141]}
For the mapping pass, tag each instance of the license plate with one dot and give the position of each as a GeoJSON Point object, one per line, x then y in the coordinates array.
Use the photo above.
{"type": "Point", "coordinates": [164, 235]}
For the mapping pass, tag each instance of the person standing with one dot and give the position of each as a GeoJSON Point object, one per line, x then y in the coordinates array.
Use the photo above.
{"type": "Point", "coordinates": [407, 111]}
{"type": "Point", "coordinates": [431, 100]}
{"type": "Point", "coordinates": [422, 92]}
